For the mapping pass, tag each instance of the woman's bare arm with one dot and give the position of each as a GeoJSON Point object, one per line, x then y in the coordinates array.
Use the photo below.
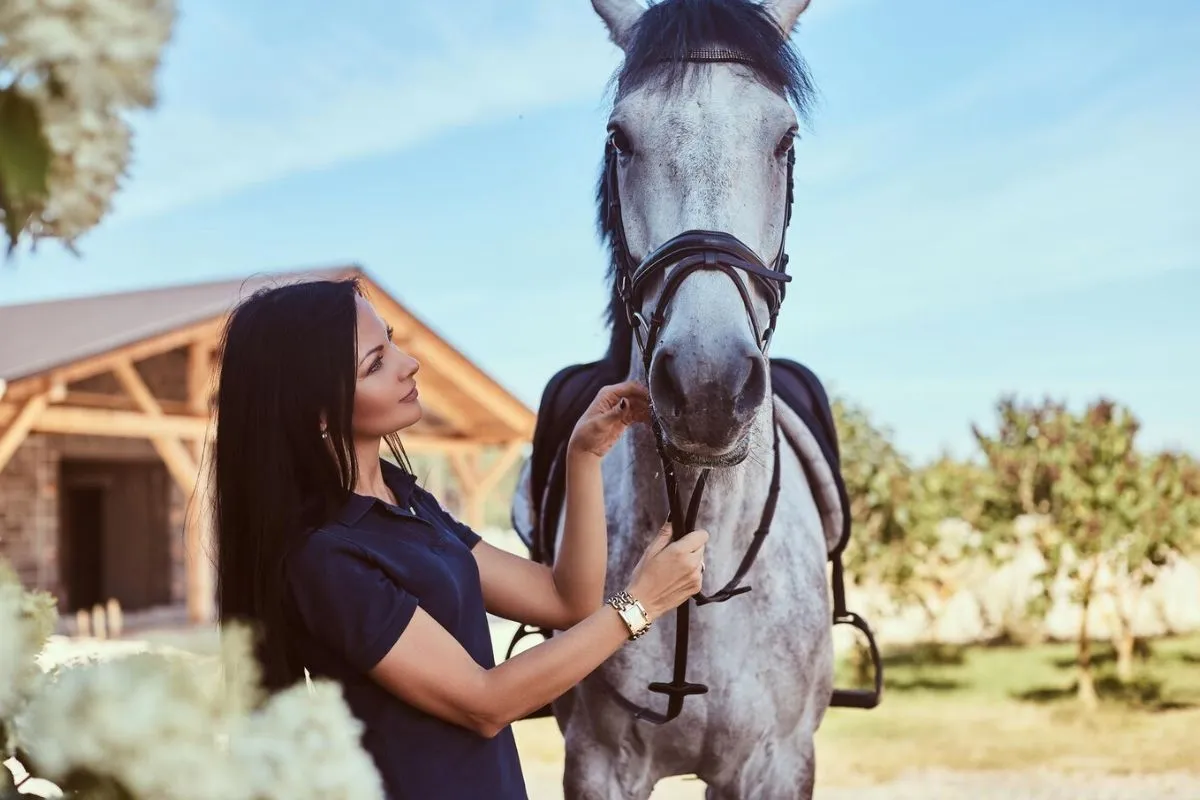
{"type": "Point", "coordinates": [518, 589]}
{"type": "Point", "coordinates": [430, 670]}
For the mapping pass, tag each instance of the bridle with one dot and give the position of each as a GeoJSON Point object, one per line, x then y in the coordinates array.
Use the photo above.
{"type": "Point", "coordinates": [680, 257]}
{"type": "Point", "coordinates": [690, 252]}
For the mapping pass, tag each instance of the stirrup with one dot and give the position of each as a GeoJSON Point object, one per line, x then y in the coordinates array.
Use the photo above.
{"type": "Point", "coordinates": [522, 632]}
{"type": "Point", "coordinates": [860, 698]}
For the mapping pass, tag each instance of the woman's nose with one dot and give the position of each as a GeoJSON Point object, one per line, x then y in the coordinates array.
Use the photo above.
{"type": "Point", "coordinates": [412, 368]}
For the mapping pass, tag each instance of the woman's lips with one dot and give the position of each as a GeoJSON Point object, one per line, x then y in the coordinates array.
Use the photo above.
{"type": "Point", "coordinates": [408, 398]}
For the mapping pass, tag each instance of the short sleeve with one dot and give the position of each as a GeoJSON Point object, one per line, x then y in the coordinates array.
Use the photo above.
{"type": "Point", "coordinates": [346, 601]}
{"type": "Point", "coordinates": [461, 530]}
{"type": "Point", "coordinates": [464, 532]}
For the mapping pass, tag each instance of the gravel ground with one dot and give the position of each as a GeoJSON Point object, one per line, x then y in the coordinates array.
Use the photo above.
{"type": "Point", "coordinates": [544, 784]}
{"type": "Point", "coordinates": [1030, 785]}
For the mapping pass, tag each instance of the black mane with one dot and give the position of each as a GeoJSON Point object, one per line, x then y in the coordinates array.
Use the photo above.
{"type": "Point", "coordinates": [658, 55]}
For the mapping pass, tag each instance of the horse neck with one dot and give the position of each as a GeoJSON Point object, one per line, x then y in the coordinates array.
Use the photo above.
{"type": "Point", "coordinates": [734, 497]}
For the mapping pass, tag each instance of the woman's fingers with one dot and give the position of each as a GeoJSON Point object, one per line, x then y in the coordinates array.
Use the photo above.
{"type": "Point", "coordinates": [629, 400]}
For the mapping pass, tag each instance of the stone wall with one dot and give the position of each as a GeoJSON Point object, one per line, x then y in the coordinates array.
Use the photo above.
{"type": "Point", "coordinates": [29, 509]}
{"type": "Point", "coordinates": [29, 491]}
{"type": "Point", "coordinates": [29, 513]}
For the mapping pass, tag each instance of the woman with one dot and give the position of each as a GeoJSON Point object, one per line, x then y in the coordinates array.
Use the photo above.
{"type": "Point", "coordinates": [349, 569]}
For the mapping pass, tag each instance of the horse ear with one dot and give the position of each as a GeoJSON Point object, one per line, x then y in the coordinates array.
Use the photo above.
{"type": "Point", "coordinates": [620, 17]}
{"type": "Point", "coordinates": [786, 12]}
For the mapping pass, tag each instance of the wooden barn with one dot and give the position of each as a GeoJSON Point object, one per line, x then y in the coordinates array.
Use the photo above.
{"type": "Point", "coordinates": [104, 414]}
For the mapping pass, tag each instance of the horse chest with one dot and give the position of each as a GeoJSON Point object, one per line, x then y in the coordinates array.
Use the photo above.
{"type": "Point", "coordinates": [756, 652]}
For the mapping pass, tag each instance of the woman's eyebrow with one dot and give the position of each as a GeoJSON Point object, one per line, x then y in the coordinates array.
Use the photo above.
{"type": "Point", "coordinates": [377, 348]}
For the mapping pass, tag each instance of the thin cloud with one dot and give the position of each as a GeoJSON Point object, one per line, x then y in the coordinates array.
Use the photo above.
{"type": "Point", "coordinates": [912, 216]}
{"type": "Point", "coordinates": [278, 107]}
{"type": "Point", "coordinates": [254, 100]}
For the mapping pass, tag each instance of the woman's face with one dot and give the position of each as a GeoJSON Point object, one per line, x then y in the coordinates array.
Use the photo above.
{"type": "Point", "coordinates": [385, 395]}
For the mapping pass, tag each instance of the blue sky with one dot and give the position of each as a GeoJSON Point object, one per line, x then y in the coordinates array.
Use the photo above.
{"type": "Point", "coordinates": [993, 197]}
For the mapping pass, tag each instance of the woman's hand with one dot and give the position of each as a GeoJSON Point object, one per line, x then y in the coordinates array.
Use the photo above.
{"type": "Point", "coordinates": [613, 410]}
{"type": "Point", "coordinates": [669, 572]}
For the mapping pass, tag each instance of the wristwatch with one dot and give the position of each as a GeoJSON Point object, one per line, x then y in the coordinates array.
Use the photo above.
{"type": "Point", "coordinates": [632, 612]}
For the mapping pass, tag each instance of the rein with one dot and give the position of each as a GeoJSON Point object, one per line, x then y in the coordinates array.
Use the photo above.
{"type": "Point", "coordinates": [687, 253]}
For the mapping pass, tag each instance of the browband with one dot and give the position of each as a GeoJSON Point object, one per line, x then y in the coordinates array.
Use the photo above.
{"type": "Point", "coordinates": [712, 55]}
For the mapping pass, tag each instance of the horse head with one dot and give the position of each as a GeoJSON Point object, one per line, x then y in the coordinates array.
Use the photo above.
{"type": "Point", "coordinates": [695, 198]}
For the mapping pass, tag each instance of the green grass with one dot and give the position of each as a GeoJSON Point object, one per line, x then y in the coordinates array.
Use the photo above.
{"type": "Point", "coordinates": [1015, 708]}
{"type": "Point", "coordinates": [1003, 708]}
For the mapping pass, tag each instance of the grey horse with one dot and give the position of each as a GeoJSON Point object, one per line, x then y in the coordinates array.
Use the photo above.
{"type": "Point", "coordinates": [706, 109]}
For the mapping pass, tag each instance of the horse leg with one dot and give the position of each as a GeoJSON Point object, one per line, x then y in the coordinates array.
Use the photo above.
{"type": "Point", "coordinates": [770, 774]}
{"type": "Point", "coordinates": [595, 772]}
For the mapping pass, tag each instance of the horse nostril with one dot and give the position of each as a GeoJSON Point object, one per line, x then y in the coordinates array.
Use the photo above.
{"type": "Point", "coordinates": [753, 389]}
{"type": "Point", "coordinates": [665, 389]}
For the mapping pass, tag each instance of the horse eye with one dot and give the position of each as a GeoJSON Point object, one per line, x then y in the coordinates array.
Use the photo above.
{"type": "Point", "coordinates": [619, 141]}
{"type": "Point", "coordinates": [786, 143]}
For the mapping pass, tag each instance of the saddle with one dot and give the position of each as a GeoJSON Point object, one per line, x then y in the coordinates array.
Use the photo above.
{"type": "Point", "coordinates": [567, 396]}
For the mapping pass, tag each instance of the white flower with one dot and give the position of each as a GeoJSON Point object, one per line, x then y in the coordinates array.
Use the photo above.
{"type": "Point", "coordinates": [91, 149]}
{"type": "Point", "coordinates": [173, 724]}
{"type": "Point", "coordinates": [26, 620]}
{"type": "Point", "coordinates": [84, 62]}
{"type": "Point", "coordinates": [305, 745]}
{"type": "Point", "coordinates": [147, 720]}
{"type": "Point", "coordinates": [104, 53]}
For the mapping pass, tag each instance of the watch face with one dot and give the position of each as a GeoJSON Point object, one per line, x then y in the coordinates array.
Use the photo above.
{"type": "Point", "coordinates": [632, 617]}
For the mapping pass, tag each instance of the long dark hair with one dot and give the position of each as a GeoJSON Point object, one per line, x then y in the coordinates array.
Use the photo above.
{"type": "Point", "coordinates": [288, 358]}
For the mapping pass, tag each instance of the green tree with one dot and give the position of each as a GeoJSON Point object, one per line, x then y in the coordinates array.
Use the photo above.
{"type": "Point", "coordinates": [1083, 475]}
{"type": "Point", "coordinates": [944, 539]}
{"type": "Point", "coordinates": [879, 483]}
{"type": "Point", "coordinates": [1167, 520]}
{"type": "Point", "coordinates": [913, 527]}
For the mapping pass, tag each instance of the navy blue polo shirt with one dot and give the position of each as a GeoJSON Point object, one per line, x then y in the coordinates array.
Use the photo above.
{"type": "Point", "coordinates": [355, 584]}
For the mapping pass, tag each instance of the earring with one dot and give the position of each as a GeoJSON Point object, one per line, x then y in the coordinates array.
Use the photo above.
{"type": "Point", "coordinates": [324, 434]}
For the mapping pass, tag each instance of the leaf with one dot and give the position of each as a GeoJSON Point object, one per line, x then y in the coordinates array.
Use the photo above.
{"type": "Point", "coordinates": [25, 158]}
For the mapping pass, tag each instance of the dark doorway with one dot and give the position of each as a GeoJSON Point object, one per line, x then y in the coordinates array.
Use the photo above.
{"type": "Point", "coordinates": [82, 553]}
{"type": "Point", "coordinates": [115, 534]}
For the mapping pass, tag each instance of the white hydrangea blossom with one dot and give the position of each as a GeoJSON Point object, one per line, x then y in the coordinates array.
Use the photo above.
{"type": "Point", "coordinates": [180, 725]}
{"type": "Point", "coordinates": [104, 52]}
{"type": "Point", "coordinates": [91, 149]}
{"type": "Point", "coordinates": [26, 619]}
{"type": "Point", "coordinates": [146, 720]}
{"type": "Point", "coordinates": [13, 657]}
{"type": "Point", "coordinates": [304, 745]}
{"type": "Point", "coordinates": [84, 62]}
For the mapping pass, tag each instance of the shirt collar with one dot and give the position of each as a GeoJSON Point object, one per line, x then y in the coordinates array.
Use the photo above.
{"type": "Point", "coordinates": [400, 482]}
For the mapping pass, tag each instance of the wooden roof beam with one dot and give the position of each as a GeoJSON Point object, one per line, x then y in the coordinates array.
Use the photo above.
{"type": "Point", "coordinates": [493, 400]}
{"type": "Point", "coordinates": [200, 375]}
{"type": "Point", "coordinates": [135, 425]}
{"type": "Point", "coordinates": [179, 461]}
{"type": "Point", "coordinates": [500, 467]}
{"type": "Point", "coordinates": [75, 421]}
{"type": "Point", "coordinates": [443, 403]}
{"type": "Point", "coordinates": [20, 426]}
